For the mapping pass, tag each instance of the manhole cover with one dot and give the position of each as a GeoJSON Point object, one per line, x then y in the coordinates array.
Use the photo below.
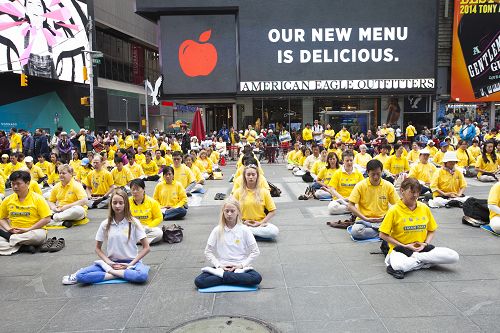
{"type": "Point", "coordinates": [233, 324]}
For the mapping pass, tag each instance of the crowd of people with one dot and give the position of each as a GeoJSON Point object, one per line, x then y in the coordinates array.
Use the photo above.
{"type": "Point", "coordinates": [384, 185]}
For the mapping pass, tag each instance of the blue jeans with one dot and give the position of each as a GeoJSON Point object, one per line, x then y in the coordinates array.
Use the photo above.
{"type": "Point", "coordinates": [174, 213]}
{"type": "Point", "coordinates": [207, 280]}
{"type": "Point", "coordinates": [364, 230]}
{"type": "Point", "coordinates": [95, 273]}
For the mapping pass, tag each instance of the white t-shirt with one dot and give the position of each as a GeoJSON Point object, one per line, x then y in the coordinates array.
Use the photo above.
{"type": "Point", "coordinates": [398, 132]}
{"type": "Point", "coordinates": [235, 246]}
{"type": "Point", "coordinates": [118, 246]}
{"type": "Point", "coordinates": [318, 128]}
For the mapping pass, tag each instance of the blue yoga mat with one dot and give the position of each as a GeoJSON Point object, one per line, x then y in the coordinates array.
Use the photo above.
{"type": "Point", "coordinates": [224, 288]}
{"type": "Point", "coordinates": [369, 240]}
{"type": "Point", "coordinates": [325, 199]}
{"type": "Point", "coordinates": [201, 191]}
{"type": "Point", "coordinates": [488, 228]}
{"type": "Point", "coordinates": [114, 281]}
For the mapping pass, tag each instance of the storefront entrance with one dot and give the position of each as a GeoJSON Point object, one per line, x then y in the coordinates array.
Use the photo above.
{"type": "Point", "coordinates": [218, 115]}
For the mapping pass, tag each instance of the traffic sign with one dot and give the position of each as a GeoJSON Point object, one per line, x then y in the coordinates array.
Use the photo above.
{"type": "Point", "coordinates": [96, 61]}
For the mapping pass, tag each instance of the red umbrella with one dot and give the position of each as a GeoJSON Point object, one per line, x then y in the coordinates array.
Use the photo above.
{"type": "Point", "coordinates": [197, 128]}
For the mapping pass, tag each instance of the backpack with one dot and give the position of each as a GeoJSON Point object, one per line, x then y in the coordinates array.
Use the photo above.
{"type": "Point", "coordinates": [477, 209]}
{"type": "Point", "coordinates": [307, 177]}
{"type": "Point", "coordinates": [274, 190]}
{"type": "Point", "coordinates": [384, 247]}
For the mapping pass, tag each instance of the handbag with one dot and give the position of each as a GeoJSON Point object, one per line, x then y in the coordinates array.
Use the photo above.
{"type": "Point", "coordinates": [469, 171]}
{"type": "Point", "coordinates": [172, 233]}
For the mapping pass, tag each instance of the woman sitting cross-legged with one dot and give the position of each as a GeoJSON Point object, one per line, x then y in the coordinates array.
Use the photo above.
{"type": "Point", "coordinates": [171, 196]}
{"type": "Point", "coordinates": [409, 229]}
{"type": "Point", "coordinates": [254, 201]}
{"type": "Point", "coordinates": [231, 248]}
{"type": "Point", "coordinates": [122, 260]}
{"type": "Point", "coordinates": [147, 210]}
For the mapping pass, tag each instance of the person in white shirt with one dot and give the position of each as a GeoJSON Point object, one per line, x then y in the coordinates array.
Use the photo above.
{"type": "Point", "coordinates": [230, 249]}
{"type": "Point", "coordinates": [317, 132]}
{"type": "Point", "coordinates": [122, 260]}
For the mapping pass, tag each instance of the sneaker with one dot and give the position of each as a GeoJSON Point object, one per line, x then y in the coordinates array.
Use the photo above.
{"type": "Point", "coordinates": [48, 244]}
{"type": "Point", "coordinates": [69, 279]}
{"type": "Point", "coordinates": [396, 274]}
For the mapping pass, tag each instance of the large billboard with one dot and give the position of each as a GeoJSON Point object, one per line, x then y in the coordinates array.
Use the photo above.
{"type": "Point", "coordinates": [44, 38]}
{"type": "Point", "coordinates": [475, 67]}
{"type": "Point", "coordinates": [303, 47]}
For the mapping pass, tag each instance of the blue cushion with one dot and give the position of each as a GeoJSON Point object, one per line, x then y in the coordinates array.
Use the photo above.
{"type": "Point", "coordinates": [228, 288]}
{"type": "Point", "coordinates": [202, 191]}
{"type": "Point", "coordinates": [369, 240]}
{"type": "Point", "coordinates": [114, 281]}
{"type": "Point", "coordinates": [488, 228]}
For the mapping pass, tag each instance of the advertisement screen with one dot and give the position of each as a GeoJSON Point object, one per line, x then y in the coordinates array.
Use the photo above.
{"type": "Point", "coordinates": [44, 38]}
{"type": "Point", "coordinates": [475, 67]}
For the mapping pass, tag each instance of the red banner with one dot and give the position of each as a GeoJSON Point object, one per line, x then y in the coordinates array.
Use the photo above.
{"type": "Point", "coordinates": [137, 64]}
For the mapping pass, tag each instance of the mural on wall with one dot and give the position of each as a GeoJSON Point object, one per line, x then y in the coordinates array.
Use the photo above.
{"type": "Point", "coordinates": [44, 38]}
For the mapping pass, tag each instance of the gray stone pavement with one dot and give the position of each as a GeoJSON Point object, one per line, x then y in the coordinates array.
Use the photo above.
{"type": "Point", "coordinates": [315, 279]}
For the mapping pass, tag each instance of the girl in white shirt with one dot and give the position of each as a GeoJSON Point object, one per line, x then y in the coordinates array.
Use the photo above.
{"type": "Point", "coordinates": [122, 259]}
{"type": "Point", "coordinates": [231, 248]}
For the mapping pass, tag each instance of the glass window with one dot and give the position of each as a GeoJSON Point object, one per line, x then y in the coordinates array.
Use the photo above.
{"type": "Point", "coordinates": [278, 112]}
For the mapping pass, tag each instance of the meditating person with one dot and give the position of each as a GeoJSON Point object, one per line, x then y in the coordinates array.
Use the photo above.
{"type": "Point", "coordinates": [204, 163]}
{"type": "Point", "coordinates": [23, 215]}
{"type": "Point", "coordinates": [464, 158]}
{"type": "Point", "coordinates": [135, 168]}
{"type": "Point", "coordinates": [413, 155]}
{"type": "Point", "coordinates": [171, 196]}
{"type": "Point", "coordinates": [325, 175]}
{"type": "Point", "coordinates": [423, 171]}
{"type": "Point", "coordinates": [494, 207]}
{"type": "Point", "coordinates": [75, 162]}
{"type": "Point", "coordinates": [319, 164]}
{"type": "Point", "coordinates": [383, 154]}
{"type": "Point", "coordinates": [254, 201]}
{"type": "Point", "coordinates": [199, 180]}
{"type": "Point", "coordinates": [438, 158]}
{"type": "Point", "coordinates": [68, 199]}
{"type": "Point", "coordinates": [183, 173]}
{"type": "Point", "coordinates": [36, 173]}
{"type": "Point", "coordinates": [361, 159]}
{"type": "Point", "coordinates": [121, 175]}
{"type": "Point", "coordinates": [396, 164]}
{"type": "Point", "coordinates": [160, 160]}
{"type": "Point", "coordinates": [150, 168]}
{"type": "Point", "coordinates": [99, 184]}
{"type": "Point", "coordinates": [342, 184]}
{"type": "Point", "coordinates": [409, 228]}
{"type": "Point", "coordinates": [488, 163]}
{"type": "Point", "coordinates": [147, 210]}
{"type": "Point", "coordinates": [448, 182]}
{"type": "Point", "coordinates": [122, 259]}
{"type": "Point", "coordinates": [369, 201]}
{"type": "Point", "coordinates": [231, 249]}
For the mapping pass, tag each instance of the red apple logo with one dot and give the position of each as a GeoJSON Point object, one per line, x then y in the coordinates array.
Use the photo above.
{"type": "Point", "coordinates": [198, 59]}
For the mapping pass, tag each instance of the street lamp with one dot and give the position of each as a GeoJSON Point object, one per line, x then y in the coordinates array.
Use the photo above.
{"type": "Point", "coordinates": [126, 112]}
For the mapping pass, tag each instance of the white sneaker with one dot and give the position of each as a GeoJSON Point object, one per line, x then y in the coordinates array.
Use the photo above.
{"type": "Point", "coordinates": [69, 279]}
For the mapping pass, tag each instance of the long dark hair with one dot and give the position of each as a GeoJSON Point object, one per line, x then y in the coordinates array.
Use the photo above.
{"type": "Point", "coordinates": [330, 155]}
{"type": "Point", "coordinates": [493, 154]}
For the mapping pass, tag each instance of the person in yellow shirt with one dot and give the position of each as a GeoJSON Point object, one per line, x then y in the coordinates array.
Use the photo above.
{"type": "Point", "coordinates": [325, 175]}
{"type": "Point", "coordinates": [494, 207]}
{"type": "Point", "coordinates": [129, 140]}
{"type": "Point", "coordinates": [414, 154]}
{"type": "Point", "coordinates": [361, 159]}
{"type": "Point", "coordinates": [147, 210]}
{"type": "Point", "coordinates": [204, 163]}
{"type": "Point", "coordinates": [47, 167]}
{"type": "Point", "coordinates": [188, 161]}
{"type": "Point", "coordinates": [254, 202]}
{"type": "Point", "coordinates": [464, 158]}
{"type": "Point", "coordinates": [369, 201]}
{"type": "Point", "coordinates": [488, 163]}
{"type": "Point", "coordinates": [16, 141]}
{"type": "Point", "coordinates": [75, 162]}
{"type": "Point", "coordinates": [390, 136]}
{"type": "Point", "coordinates": [307, 135]}
{"type": "Point", "coordinates": [140, 141]}
{"type": "Point", "coordinates": [83, 171]}
{"type": "Point", "coordinates": [431, 148]}
{"type": "Point", "coordinates": [329, 136]}
{"type": "Point", "coordinates": [182, 173]}
{"type": "Point", "coordinates": [99, 184]}
{"type": "Point", "coordinates": [121, 175]}
{"type": "Point", "coordinates": [448, 182]}
{"type": "Point", "coordinates": [493, 134]}
{"type": "Point", "coordinates": [474, 150]}
{"type": "Point", "coordinates": [423, 171]}
{"type": "Point", "coordinates": [152, 142]}
{"type": "Point", "coordinates": [140, 157]}
{"type": "Point", "coordinates": [160, 160]}
{"type": "Point", "coordinates": [250, 135]}
{"type": "Point", "coordinates": [438, 158]}
{"type": "Point", "coordinates": [320, 163]}
{"type": "Point", "coordinates": [171, 196]}
{"type": "Point", "coordinates": [5, 162]}
{"type": "Point", "coordinates": [68, 199]}
{"type": "Point", "coordinates": [135, 168]}
{"type": "Point", "coordinates": [14, 165]}
{"type": "Point", "coordinates": [343, 135]}
{"type": "Point", "coordinates": [382, 156]}
{"type": "Point", "coordinates": [213, 155]}
{"type": "Point", "coordinates": [162, 145]}
{"type": "Point", "coordinates": [168, 156]}
{"type": "Point", "coordinates": [456, 129]}
{"type": "Point", "coordinates": [150, 168]}
{"type": "Point", "coordinates": [23, 214]}
{"type": "Point", "coordinates": [36, 173]}
{"type": "Point", "coordinates": [294, 156]}
{"type": "Point", "coordinates": [396, 164]}
{"type": "Point", "coordinates": [409, 228]}
{"type": "Point", "coordinates": [410, 132]}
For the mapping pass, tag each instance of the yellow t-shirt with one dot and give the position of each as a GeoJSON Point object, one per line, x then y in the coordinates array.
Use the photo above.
{"type": "Point", "coordinates": [238, 183]}
{"type": "Point", "coordinates": [153, 143]}
{"type": "Point", "coordinates": [170, 195]}
{"type": "Point", "coordinates": [207, 164]}
{"type": "Point", "coordinates": [456, 130]}
{"type": "Point", "coordinates": [75, 164]}
{"type": "Point", "coordinates": [148, 212]}
{"type": "Point", "coordinates": [99, 182]}
{"type": "Point", "coordinates": [447, 182]}
{"type": "Point", "coordinates": [24, 214]}
{"type": "Point", "coordinates": [432, 150]}
{"type": "Point", "coordinates": [474, 151]}
{"type": "Point", "coordinates": [141, 142]}
{"type": "Point", "coordinates": [326, 174]}
{"type": "Point", "coordinates": [302, 160]}
{"type": "Point", "coordinates": [488, 166]}
{"type": "Point", "coordinates": [397, 165]}
{"type": "Point", "coordinates": [136, 170]}
{"type": "Point", "coordinates": [36, 173]}
{"type": "Point", "coordinates": [410, 131]}
{"type": "Point", "coordinates": [2, 184]}
{"type": "Point", "coordinates": [382, 158]}
{"type": "Point", "coordinates": [422, 172]}
{"type": "Point", "coordinates": [183, 175]}
{"type": "Point", "coordinates": [160, 162]}
{"type": "Point", "coordinates": [121, 178]}
{"type": "Point", "coordinates": [251, 136]}
{"type": "Point", "coordinates": [168, 159]}
{"type": "Point", "coordinates": [295, 156]}
{"type": "Point", "coordinates": [163, 146]}
{"type": "Point", "coordinates": [64, 195]}
{"type": "Point", "coordinates": [34, 187]}
{"type": "Point", "coordinates": [150, 169]}
{"type": "Point", "coordinates": [197, 173]}
{"type": "Point", "coordinates": [362, 159]}
{"type": "Point", "coordinates": [413, 156]}
{"type": "Point", "coordinates": [391, 137]}
{"type": "Point", "coordinates": [344, 135]}
{"type": "Point", "coordinates": [438, 158]}
{"type": "Point", "coordinates": [344, 183]}
{"type": "Point", "coordinates": [307, 134]}
{"type": "Point", "coordinates": [176, 146]}
{"type": "Point", "coordinates": [250, 208]}
{"type": "Point", "coordinates": [83, 173]}
{"type": "Point", "coordinates": [494, 198]}
{"type": "Point", "coordinates": [53, 178]}
{"type": "Point", "coordinates": [46, 167]}
{"type": "Point", "coordinates": [327, 140]}
{"type": "Point", "coordinates": [462, 158]}
{"type": "Point", "coordinates": [407, 226]}
{"type": "Point", "coordinates": [373, 201]}
{"type": "Point", "coordinates": [16, 140]}
{"type": "Point", "coordinates": [10, 168]}
{"type": "Point", "coordinates": [317, 167]}
{"type": "Point", "coordinates": [129, 142]}
{"type": "Point", "coordinates": [111, 156]}
{"type": "Point", "coordinates": [215, 157]}
{"type": "Point", "coordinates": [140, 158]}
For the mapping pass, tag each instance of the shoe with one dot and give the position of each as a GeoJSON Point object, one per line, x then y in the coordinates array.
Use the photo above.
{"type": "Point", "coordinates": [58, 245]}
{"type": "Point", "coordinates": [303, 197]}
{"type": "Point", "coordinates": [48, 243]}
{"type": "Point", "coordinates": [340, 224]}
{"type": "Point", "coordinates": [188, 194]}
{"type": "Point", "coordinates": [396, 274]}
{"type": "Point", "coordinates": [67, 224]}
{"type": "Point", "coordinates": [69, 279]}
{"type": "Point", "coordinates": [27, 249]}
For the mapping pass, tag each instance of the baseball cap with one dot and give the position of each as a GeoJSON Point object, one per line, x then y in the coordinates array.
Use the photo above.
{"type": "Point", "coordinates": [425, 151]}
{"type": "Point", "coordinates": [28, 159]}
{"type": "Point", "coordinates": [443, 144]}
{"type": "Point", "coordinates": [450, 156]}
{"type": "Point", "coordinates": [430, 142]}
{"type": "Point", "coordinates": [5, 156]}
{"type": "Point", "coordinates": [85, 161]}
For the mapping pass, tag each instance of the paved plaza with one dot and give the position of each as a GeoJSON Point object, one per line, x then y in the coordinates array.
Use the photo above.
{"type": "Point", "coordinates": [315, 279]}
